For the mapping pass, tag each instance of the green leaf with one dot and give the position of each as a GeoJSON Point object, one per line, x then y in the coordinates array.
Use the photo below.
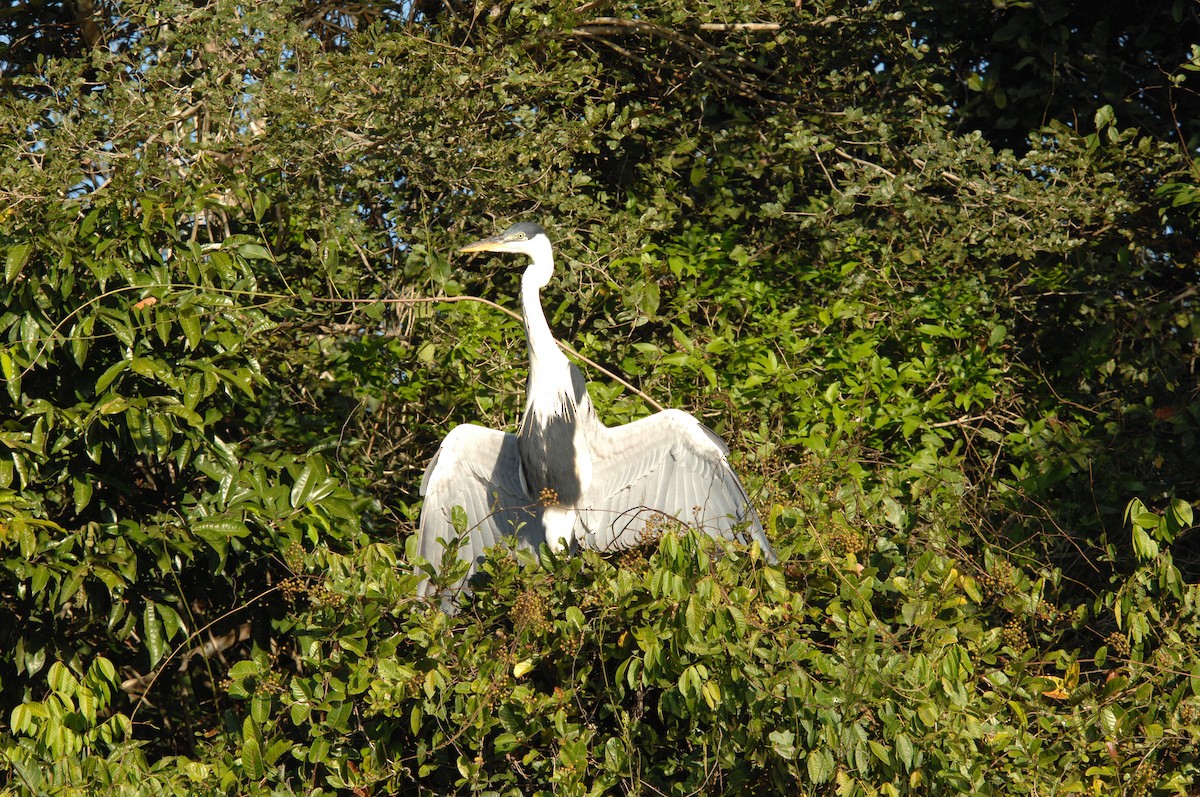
{"type": "Point", "coordinates": [224, 527]}
{"type": "Point", "coordinates": [109, 375]}
{"type": "Point", "coordinates": [880, 752]}
{"type": "Point", "coordinates": [415, 716]}
{"type": "Point", "coordinates": [182, 412]}
{"type": "Point", "coordinates": [276, 750]}
{"type": "Point", "coordinates": [82, 493]}
{"type": "Point", "coordinates": [1143, 544]}
{"type": "Point", "coordinates": [783, 743]}
{"type": "Point", "coordinates": [152, 634]}
{"type": "Point", "coordinates": [645, 296]}
{"type": "Point", "coordinates": [302, 487]}
{"type": "Point", "coordinates": [81, 340]}
{"type": "Point", "coordinates": [739, 619]}
{"type": "Point", "coordinates": [193, 391]}
{"type": "Point", "coordinates": [894, 513]}
{"type": "Point", "coordinates": [299, 713]}
{"type": "Point", "coordinates": [260, 708]}
{"type": "Point", "coordinates": [61, 680]}
{"type": "Point", "coordinates": [711, 691]}
{"type": "Point", "coordinates": [112, 404]}
{"type": "Point", "coordinates": [15, 260]}
{"type": "Point", "coordinates": [7, 367]}
{"type": "Point", "coordinates": [171, 622]}
{"type": "Point", "coordinates": [102, 671]}
{"type": "Point", "coordinates": [820, 765]}
{"type": "Point", "coordinates": [1180, 516]}
{"type": "Point", "coordinates": [190, 323]}
{"type": "Point", "coordinates": [247, 668]}
{"type": "Point", "coordinates": [254, 252]}
{"type": "Point", "coordinates": [904, 750]}
{"type": "Point", "coordinates": [86, 703]}
{"type": "Point", "coordinates": [252, 762]}
{"type": "Point", "coordinates": [218, 532]}
{"type": "Point", "coordinates": [338, 716]}
{"type": "Point", "coordinates": [22, 718]}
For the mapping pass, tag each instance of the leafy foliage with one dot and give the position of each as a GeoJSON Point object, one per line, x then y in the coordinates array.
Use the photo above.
{"type": "Point", "coordinates": [949, 336]}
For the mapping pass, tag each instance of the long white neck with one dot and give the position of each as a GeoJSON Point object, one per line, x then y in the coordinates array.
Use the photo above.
{"type": "Point", "coordinates": [543, 351]}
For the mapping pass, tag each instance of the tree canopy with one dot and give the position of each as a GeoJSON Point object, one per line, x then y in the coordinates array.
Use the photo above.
{"type": "Point", "coordinates": [930, 268]}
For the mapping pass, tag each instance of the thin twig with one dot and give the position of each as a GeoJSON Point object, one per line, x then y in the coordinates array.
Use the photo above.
{"type": "Point", "coordinates": [746, 26]}
{"type": "Point", "coordinates": [844, 154]}
{"type": "Point", "coordinates": [567, 347]}
{"type": "Point", "coordinates": [270, 297]}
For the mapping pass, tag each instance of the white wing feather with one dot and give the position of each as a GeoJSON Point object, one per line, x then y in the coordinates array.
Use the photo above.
{"type": "Point", "coordinates": [478, 469]}
{"type": "Point", "coordinates": [666, 464]}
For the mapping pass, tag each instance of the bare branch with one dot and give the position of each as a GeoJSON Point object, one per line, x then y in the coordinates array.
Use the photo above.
{"type": "Point", "coordinates": [753, 27]}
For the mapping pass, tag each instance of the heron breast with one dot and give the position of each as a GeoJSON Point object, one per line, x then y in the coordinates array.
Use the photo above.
{"type": "Point", "coordinates": [554, 456]}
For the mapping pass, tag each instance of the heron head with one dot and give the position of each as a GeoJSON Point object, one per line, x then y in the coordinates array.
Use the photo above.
{"type": "Point", "coordinates": [518, 238]}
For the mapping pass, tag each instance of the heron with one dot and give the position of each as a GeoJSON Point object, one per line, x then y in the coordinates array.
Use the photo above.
{"type": "Point", "coordinates": [565, 478]}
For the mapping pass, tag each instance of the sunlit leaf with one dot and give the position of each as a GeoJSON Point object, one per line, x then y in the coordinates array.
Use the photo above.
{"type": "Point", "coordinates": [15, 260]}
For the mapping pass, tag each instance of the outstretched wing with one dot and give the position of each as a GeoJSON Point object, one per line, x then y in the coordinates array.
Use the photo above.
{"type": "Point", "coordinates": [477, 469]}
{"type": "Point", "coordinates": [666, 465]}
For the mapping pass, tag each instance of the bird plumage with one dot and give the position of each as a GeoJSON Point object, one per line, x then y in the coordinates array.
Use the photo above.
{"type": "Point", "coordinates": [565, 478]}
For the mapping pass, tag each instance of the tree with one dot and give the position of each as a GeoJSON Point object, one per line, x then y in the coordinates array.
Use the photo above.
{"type": "Point", "coordinates": [949, 340]}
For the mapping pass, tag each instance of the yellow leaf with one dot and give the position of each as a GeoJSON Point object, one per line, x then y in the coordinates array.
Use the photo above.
{"type": "Point", "coordinates": [1060, 690]}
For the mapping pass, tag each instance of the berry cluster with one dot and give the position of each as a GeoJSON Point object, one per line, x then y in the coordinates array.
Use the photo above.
{"type": "Point", "coordinates": [293, 557]}
{"type": "Point", "coordinates": [999, 580]}
{"type": "Point", "coordinates": [1118, 643]}
{"type": "Point", "coordinates": [634, 559]}
{"type": "Point", "coordinates": [1014, 636]}
{"type": "Point", "coordinates": [317, 592]}
{"type": "Point", "coordinates": [844, 542]}
{"type": "Point", "coordinates": [529, 613]}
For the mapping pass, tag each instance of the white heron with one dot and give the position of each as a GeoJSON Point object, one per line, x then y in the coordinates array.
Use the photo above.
{"type": "Point", "coordinates": [565, 478]}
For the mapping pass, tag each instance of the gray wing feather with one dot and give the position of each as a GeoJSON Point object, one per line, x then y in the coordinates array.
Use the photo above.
{"type": "Point", "coordinates": [668, 464]}
{"type": "Point", "coordinates": [475, 468]}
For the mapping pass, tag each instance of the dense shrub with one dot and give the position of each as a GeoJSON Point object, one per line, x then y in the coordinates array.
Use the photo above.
{"type": "Point", "coordinates": [952, 350]}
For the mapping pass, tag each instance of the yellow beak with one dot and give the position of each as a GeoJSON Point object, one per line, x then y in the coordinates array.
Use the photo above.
{"type": "Point", "coordinates": [486, 245]}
